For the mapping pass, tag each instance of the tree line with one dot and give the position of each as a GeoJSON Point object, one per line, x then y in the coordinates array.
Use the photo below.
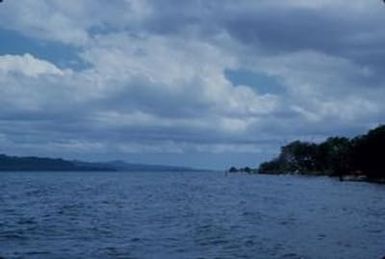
{"type": "Point", "coordinates": [362, 156]}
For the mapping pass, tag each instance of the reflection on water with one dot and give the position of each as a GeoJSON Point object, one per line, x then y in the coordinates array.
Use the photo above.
{"type": "Point", "coordinates": [188, 215]}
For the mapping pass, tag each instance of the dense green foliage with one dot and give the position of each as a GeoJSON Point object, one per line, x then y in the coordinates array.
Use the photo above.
{"type": "Point", "coordinates": [337, 156]}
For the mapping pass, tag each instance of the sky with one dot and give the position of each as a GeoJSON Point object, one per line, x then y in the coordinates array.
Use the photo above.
{"type": "Point", "coordinates": [202, 83]}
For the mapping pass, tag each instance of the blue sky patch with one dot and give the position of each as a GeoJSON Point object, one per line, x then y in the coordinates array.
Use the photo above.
{"type": "Point", "coordinates": [63, 56]}
{"type": "Point", "coordinates": [263, 84]}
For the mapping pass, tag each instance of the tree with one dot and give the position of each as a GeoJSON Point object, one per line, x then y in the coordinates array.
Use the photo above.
{"type": "Point", "coordinates": [334, 156]}
{"type": "Point", "coordinates": [299, 157]}
{"type": "Point", "coordinates": [233, 169]}
{"type": "Point", "coordinates": [369, 153]}
{"type": "Point", "coordinates": [247, 170]}
{"type": "Point", "coordinates": [272, 167]}
{"type": "Point", "coordinates": [337, 156]}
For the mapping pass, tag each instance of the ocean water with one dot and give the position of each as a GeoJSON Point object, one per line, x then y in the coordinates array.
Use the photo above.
{"type": "Point", "coordinates": [188, 215]}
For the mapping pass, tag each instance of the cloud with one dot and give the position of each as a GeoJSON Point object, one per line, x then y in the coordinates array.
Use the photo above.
{"type": "Point", "coordinates": [70, 22]}
{"type": "Point", "coordinates": [155, 76]}
{"type": "Point", "coordinates": [131, 95]}
{"type": "Point", "coordinates": [27, 65]}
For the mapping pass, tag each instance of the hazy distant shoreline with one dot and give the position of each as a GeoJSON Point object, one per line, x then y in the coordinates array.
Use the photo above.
{"type": "Point", "coordinates": [15, 164]}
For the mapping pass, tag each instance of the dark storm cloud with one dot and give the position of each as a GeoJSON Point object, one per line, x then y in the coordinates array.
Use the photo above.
{"type": "Point", "coordinates": [277, 28]}
{"type": "Point", "coordinates": [333, 33]}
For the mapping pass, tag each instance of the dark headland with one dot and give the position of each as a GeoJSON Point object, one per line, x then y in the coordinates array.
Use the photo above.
{"type": "Point", "coordinates": [360, 158]}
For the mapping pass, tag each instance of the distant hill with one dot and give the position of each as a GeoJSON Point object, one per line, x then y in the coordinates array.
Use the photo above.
{"type": "Point", "coordinates": [124, 166]}
{"type": "Point", "coordinates": [14, 163]}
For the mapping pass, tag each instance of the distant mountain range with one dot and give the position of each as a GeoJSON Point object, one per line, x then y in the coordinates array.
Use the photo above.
{"type": "Point", "coordinates": [14, 163]}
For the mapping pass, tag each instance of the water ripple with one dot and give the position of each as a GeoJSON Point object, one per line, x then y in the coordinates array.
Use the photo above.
{"type": "Point", "coordinates": [201, 215]}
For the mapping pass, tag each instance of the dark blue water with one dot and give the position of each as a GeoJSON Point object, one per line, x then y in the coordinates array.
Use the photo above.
{"type": "Point", "coordinates": [188, 215]}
